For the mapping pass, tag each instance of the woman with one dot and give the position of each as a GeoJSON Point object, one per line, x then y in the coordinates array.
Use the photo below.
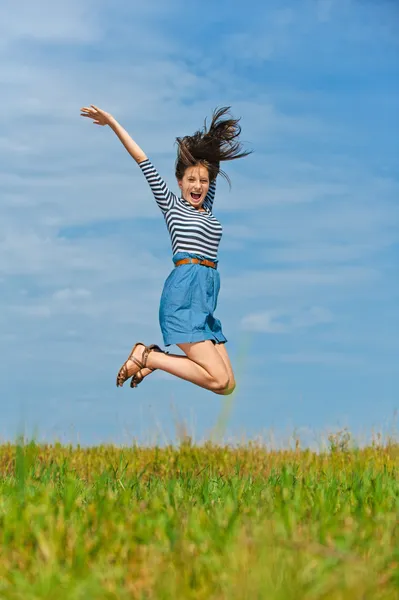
{"type": "Point", "coordinates": [190, 293]}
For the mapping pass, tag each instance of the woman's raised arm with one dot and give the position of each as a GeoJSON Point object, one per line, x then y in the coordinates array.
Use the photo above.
{"type": "Point", "coordinates": [100, 117]}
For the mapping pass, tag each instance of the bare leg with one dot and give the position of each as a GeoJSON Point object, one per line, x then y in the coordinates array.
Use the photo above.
{"type": "Point", "coordinates": [202, 365]}
{"type": "Point", "coordinates": [221, 348]}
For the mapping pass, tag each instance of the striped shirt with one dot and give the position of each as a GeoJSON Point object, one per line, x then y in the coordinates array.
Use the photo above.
{"type": "Point", "coordinates": [190, 230]}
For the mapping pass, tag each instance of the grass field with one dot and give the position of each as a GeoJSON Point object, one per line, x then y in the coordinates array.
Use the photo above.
{"type": "Point", "coordinates": [203, 522]}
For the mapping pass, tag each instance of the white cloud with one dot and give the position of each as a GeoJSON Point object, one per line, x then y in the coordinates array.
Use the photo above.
{"type": "Point", "coordinates": [68, 294]}
{"type": "Point", "coordinates": [327, 253]}
{"type": "Point", "coordinates": [72, 21]}
{"type": "Point", "coordinates": [280, 321]}
{"type": "Point", "coordinates": [297, 283]}
{"type": "Point", "coordinates": [322, 358]}
{"type": "Point", "coordinates": [37, 312]}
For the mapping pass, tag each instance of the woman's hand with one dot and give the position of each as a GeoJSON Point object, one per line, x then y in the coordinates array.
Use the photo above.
{"type": "Point", "coordinates": [100, 117]}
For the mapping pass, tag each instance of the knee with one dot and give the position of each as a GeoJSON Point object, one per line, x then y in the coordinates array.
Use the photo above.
{"type": "Point", "coordinates": [220, 384]}
{"type": "Point", "coordinates": [225, 387]}
{"type": "Point", "coordinates": [230, 388]}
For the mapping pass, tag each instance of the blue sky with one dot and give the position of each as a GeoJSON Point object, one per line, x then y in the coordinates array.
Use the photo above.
{"type": "Point", "coordinates": [309, 257]}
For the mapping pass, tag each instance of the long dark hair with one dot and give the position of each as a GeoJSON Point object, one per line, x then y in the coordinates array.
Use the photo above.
{"type": "Point", "coordinates": [210, 147]}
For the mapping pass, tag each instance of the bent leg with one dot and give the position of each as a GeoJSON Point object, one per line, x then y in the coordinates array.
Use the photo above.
{"type": "Point", "coordinates": [202, 365]}
{"type": "Point", "coordinates": [221, 349]}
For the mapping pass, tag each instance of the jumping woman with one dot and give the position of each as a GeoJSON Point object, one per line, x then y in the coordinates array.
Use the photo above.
{"type": "Point", "coordinates": [190, 293]}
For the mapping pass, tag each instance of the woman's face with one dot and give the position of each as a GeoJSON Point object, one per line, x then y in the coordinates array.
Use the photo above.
{"type": "Point", "coordinates": [195, 185]}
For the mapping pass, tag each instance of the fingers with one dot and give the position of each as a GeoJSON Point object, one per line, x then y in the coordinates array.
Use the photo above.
{"type": "Point", "coordinates": [93, 112]}
{"type": "Point", "coordinates": [90, 113]}
{"type": "Point", "coordinates": [86, 113]}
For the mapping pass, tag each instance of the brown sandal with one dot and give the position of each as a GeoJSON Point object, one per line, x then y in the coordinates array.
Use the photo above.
{"type": "Point", "coordinates": [138, 377]}
{"type": "Point", "coordinates": [122, 374]}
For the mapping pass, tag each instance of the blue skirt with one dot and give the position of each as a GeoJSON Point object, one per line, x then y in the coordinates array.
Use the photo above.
{"type": "Point", "coordinates": [188, 301]}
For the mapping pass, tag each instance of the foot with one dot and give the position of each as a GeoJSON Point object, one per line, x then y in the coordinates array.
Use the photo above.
{"type": "Point", "coordinates": [132, 365]}
{"type": "Point", "coordinates": [139, 376]}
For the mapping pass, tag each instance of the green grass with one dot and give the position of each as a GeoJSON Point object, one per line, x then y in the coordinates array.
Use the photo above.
{"type": "Point", "coordinates": [203, 522]}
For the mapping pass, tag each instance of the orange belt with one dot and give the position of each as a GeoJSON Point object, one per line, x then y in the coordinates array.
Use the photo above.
{"type": "Point", "coordinates": [185, 261]}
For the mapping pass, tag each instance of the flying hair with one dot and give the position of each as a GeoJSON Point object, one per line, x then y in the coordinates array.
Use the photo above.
{"type": "Point", "coordinates": [209, 147]}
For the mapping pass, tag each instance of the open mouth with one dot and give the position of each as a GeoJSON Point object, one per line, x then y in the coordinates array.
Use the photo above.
{"type": "Point", "coordinates": [195, 197]}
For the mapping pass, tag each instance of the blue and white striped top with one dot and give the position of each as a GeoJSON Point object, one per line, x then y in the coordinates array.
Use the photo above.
{"type": "Point", "coordinates": [190, 230]}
